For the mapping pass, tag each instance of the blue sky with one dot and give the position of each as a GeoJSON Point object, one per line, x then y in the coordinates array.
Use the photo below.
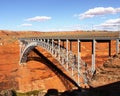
{"type": "Point", "coordinates": [59, 15]}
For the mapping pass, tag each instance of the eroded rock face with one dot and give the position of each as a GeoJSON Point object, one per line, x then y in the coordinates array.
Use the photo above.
{"type": "Point", "coordinates": [34, 75]}
{"type": "Point", "coordinates": [37, 76]}
{"type": "Point", "coordinates": [8, 65]}
{"type": "Point", "coordinates": [108, 73]}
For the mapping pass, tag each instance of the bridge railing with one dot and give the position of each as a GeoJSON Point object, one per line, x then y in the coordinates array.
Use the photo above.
{"type": "Point", "coordinates": [77, 69]}
{"type": "Point", "coordinates": [71, 65]}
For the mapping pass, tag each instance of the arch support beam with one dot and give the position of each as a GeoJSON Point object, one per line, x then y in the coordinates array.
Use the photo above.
{"type": "Point", "coordinates": [79, 61]}
{"type": "Point", "coordinates": [67, 53]}
{"type": "Point", "coordinates": [59, 49]}
{"type": "Point", "coordinates": [93, 55]}
{"type": "Point", "coordinates": [52, 45]}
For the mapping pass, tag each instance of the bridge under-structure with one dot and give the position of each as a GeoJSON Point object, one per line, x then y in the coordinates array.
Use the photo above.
{"type": "Point", "coordinates": [73, 64]}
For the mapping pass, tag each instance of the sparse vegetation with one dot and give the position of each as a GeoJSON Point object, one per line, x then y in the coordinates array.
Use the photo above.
{"type": "Point", "coordinates": [30, 93]}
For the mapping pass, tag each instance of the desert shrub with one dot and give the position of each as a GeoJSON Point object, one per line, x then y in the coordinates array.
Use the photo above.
{"type": "Point", "coordinates": [30, 93]}
{"type": "Point", "coordinates": [8, 93]}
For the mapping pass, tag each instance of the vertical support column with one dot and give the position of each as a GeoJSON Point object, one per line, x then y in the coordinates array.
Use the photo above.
{"type": "Point", "coordinates": [44, 43]}
{"type": "Point", "coordinates": [117, 46]}
{"type": "Point", "coordinates": [93, 55]}
{"type": "Point", "coordinates": [67, 52]}
{"type": "Point", "coordinates": [63, 55]}
{"type": "Point", "coordinates": [78, 61]}
{"type": "Point", "coordinates": [41, 42]}
{"type": "Point", "coordinates": [110, 48]}
{"type": "Point", "coordinates": [73, 62]}
{"type": "Point", "coordinates": [59, 50]}
{"type": "Point", "coordinates": [52, 45]}
{"type": "Point", "coordinates": [79, 54]}
{"type": "Point", "coordinates": [48, 47]}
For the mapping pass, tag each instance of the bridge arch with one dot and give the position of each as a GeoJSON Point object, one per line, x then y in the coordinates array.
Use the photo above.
{"type": "Point", "coordinates": [65, 79]}
{"type": "Point", "coordinates": [65, 59]}
{"type": "Point", "coordinates": [24, 51]}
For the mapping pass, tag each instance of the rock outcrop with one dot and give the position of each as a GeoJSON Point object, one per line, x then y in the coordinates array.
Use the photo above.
{"type": "Point", "coordinates": [108, 73]}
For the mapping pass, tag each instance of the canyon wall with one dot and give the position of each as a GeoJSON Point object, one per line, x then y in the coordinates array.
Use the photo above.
{"type": "Point", "coordinates": [37, 74]}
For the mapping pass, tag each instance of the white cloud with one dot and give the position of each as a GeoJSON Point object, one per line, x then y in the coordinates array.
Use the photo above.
{"type": "Point", "coordinates": [26, 25]}
{"type": "Point", "coordinates": [98, 11]}
{"type": "Point", "coordinates": [110, 24]}
{"type": "Point", "coordinates": [39, 18]}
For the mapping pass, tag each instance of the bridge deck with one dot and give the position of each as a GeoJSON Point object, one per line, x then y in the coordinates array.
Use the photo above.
{"type": "Point", "coordinates": [79, 35]}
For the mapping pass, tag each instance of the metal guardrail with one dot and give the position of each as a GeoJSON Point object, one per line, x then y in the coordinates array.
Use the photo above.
{"type": "Point", "coordinates": [71, 65]}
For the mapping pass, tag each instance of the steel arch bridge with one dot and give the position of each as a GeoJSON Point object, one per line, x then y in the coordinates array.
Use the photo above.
{"type": "Point", "coordinates": [73, 64]}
